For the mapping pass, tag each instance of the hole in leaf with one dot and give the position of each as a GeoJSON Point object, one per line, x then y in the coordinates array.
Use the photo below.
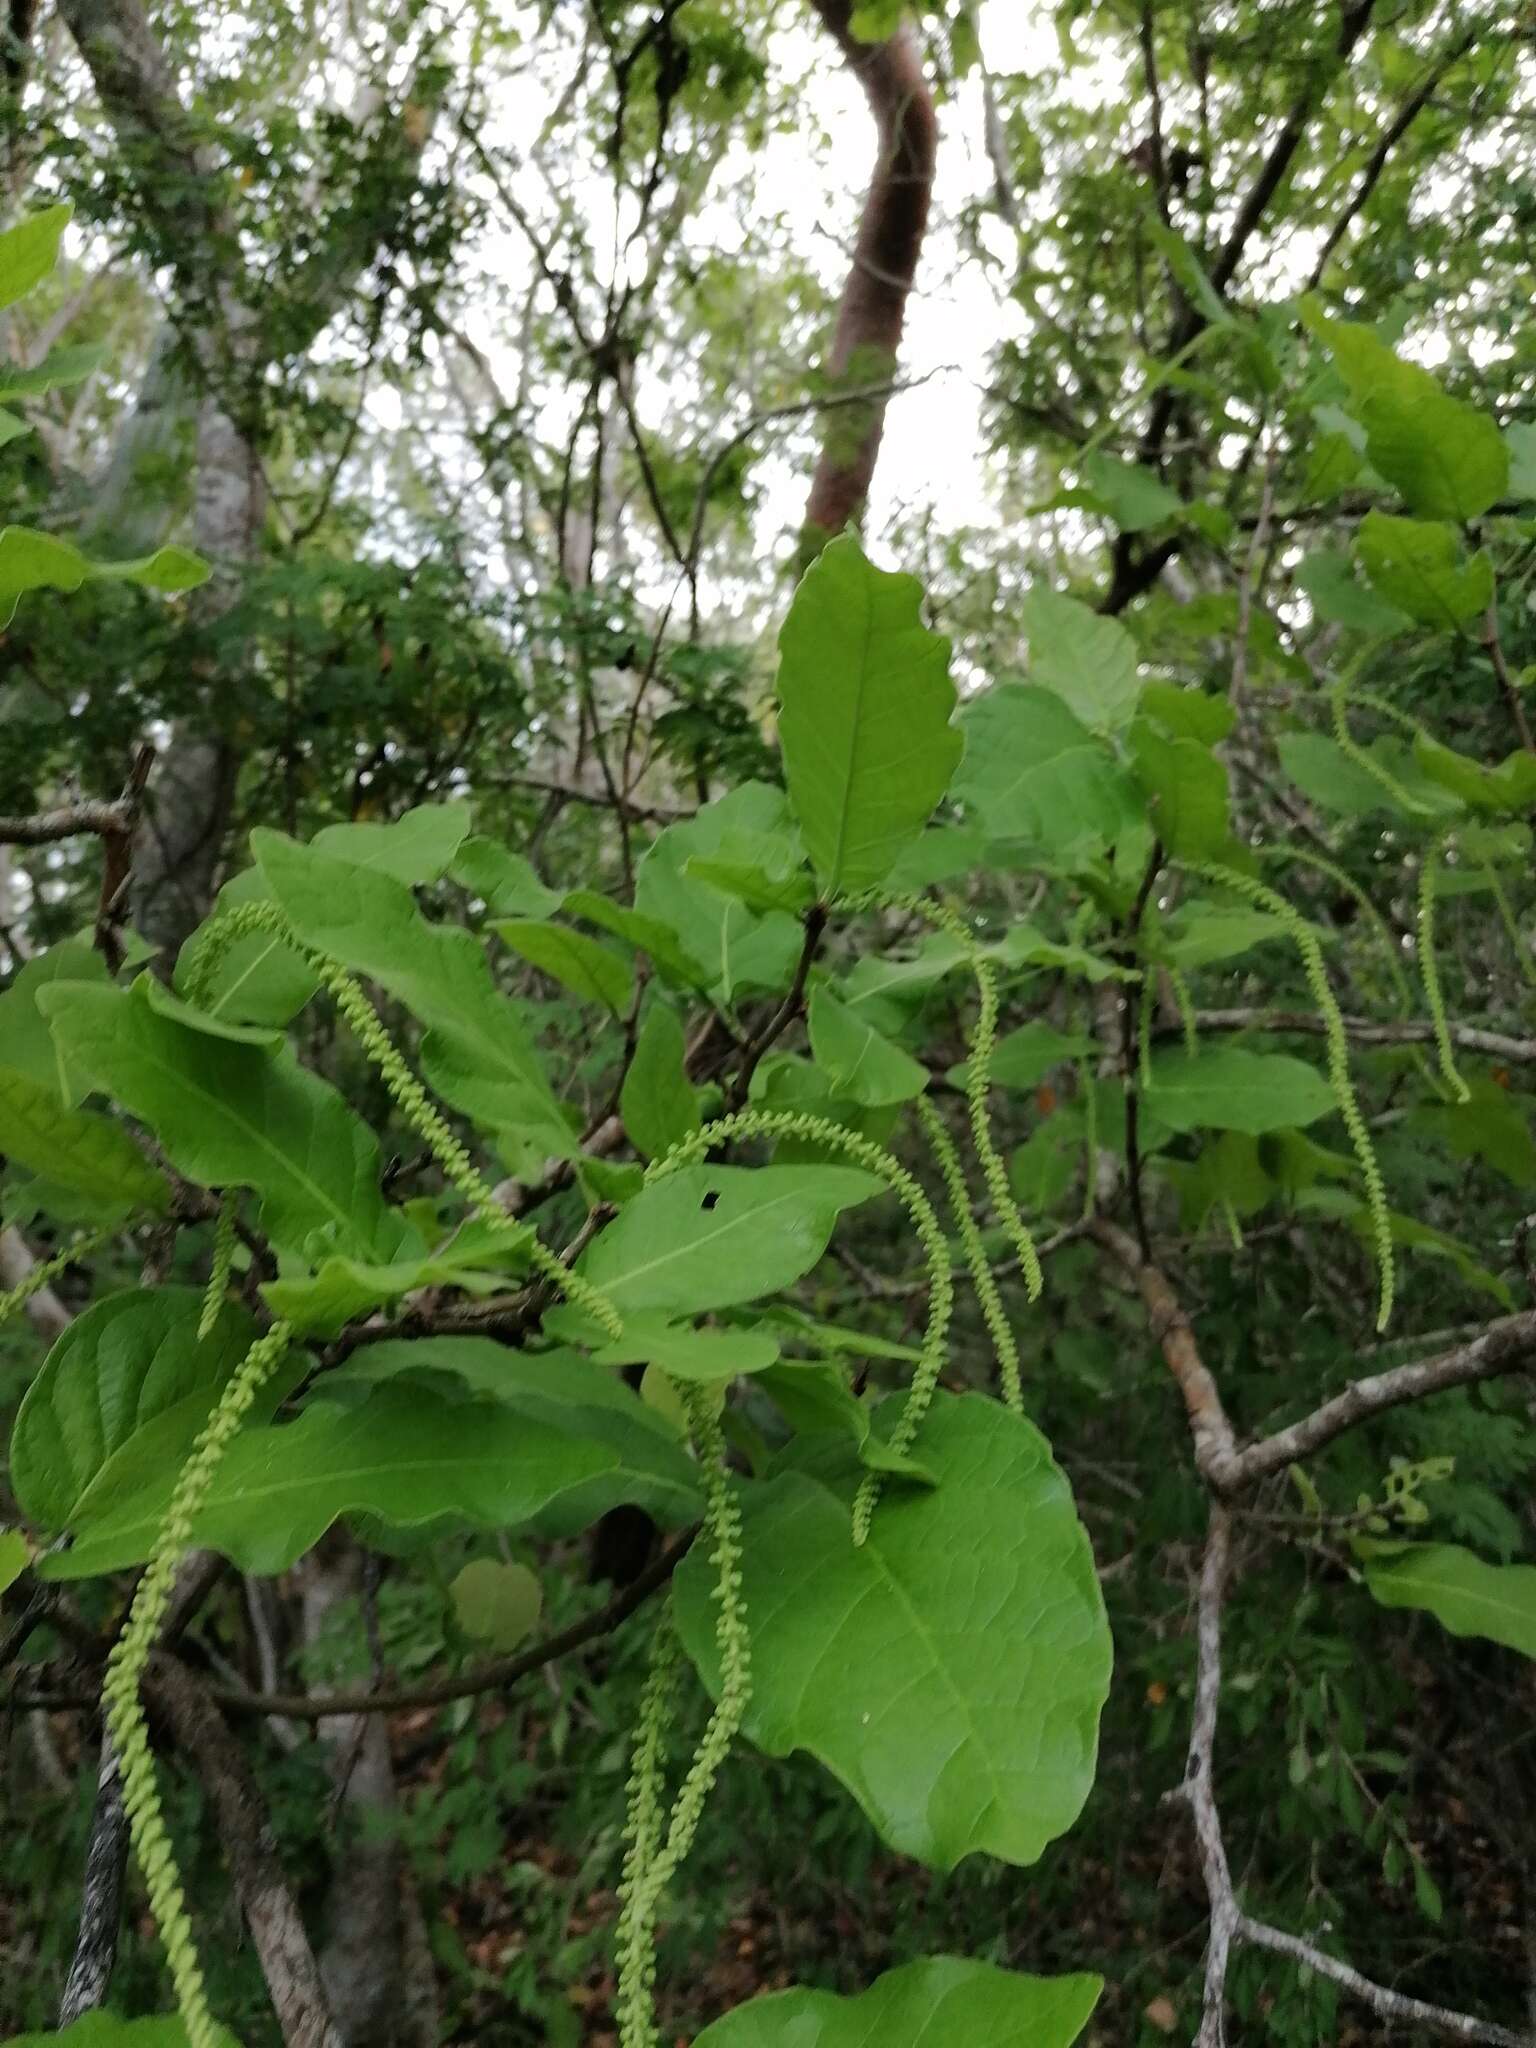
{"type": "Point", "coordinates": [710, 1199]}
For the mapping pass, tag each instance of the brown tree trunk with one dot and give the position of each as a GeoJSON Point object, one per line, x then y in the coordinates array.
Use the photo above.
{"type": "Point", "coordinates": [867, 337]}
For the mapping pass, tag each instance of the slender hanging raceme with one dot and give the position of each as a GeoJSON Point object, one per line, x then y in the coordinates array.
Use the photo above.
{"type": "Point", "coordinates": [653, 1861]}
{"type": "Point", "coordinates": [1306, 943]}
{"type": "Point", "coordinates": [1367, 762]}
{"type": "Point", "coordinates": [1522, 950]}
{"type": "Point", "coordinates": [993, 1313]}
{"type": "Point", "coordinates": [409, 1096]}
{"type": "Point", "coordinates": [225, 1239]}
{"type": "Point", "coordinates": [1347, 884]}
{"type": "Point", "coordinates": [635, 1944]}
{"type": "Point", "coordinates": [49, 1269]}
{"type": "Point", "coordinates": [1429, 970]}
{"type": "Point", "coordinates": [121, 1704]}
{"type": "Point", "coordinates": [1186, 1008]}
{"type": "Point", "coordinates": [776, 1123]}
{"type": "Point", "coordinates": [978, 1080]}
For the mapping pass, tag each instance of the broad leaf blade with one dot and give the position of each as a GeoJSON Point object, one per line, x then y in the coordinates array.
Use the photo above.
{"type": "Point", "coordinates": [864, 716]}
{"type": "Point", "coordinates": [936, 2002]}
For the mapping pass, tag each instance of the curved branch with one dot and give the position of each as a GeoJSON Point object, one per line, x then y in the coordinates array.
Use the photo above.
{"type": "Point", "coordinates": [873, 307]}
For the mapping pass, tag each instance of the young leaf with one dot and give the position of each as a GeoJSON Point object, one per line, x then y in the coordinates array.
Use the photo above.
{"type": "Point", "coordinates": [1186, 789]}
{"type": "Point", "coordinates": [232, 1115]}
{"type": "Point", "coordinates": [406, 1454]}
{"type": "Point", "coordinates": [76, 1148]}
{"type": "Point", "coordinates": [1223, 1088]}
{"type": "Point", "coordinates": [130, 1363]}
{"type": "Point", "coordinates": [588, 970]}
{"type": "Point", "coordinates": [1087, 660]}
{"type": "Point", "coordinates": [1464, 1593]}
{"type": "Point", "coordinates": [1448, 459]}
{"type": "Point", "coordinates": [938, 2001]}
{"type": "Point", "coordinates": [708, 1236]}
{"type": "Point", "coordinates": [864, 716]}
{"type": "Point", "coordinates": [504, 881]}
{"type": "Point", "coordinates": [498, 1604]}
{"type": "Point", "coordinates": [29, 251]}
{"type": "Point", "coordinates": [1033, 772]}
{"type": "Point", "coordinates": [951, 1671]}
{"type": "Point", "coordinates": [658, 1103]}
{"type": "Point", "coordinates": [859, 1062]}
{"type": "Point", "coordinates": [1418, 566]}
{"type": "Point", "coordinates": [723, 946]}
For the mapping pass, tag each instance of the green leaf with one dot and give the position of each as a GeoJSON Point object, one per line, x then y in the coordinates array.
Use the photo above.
{"type": "Point", "coordinates": [1418, 566]}
{"type": "Point", "coordinates": [15, 1556]}
{"type": "Point", "coordinates": [1186, 790]}
{"type": "Point", "coordinates": [1024, 1057]}
{"type": "Point", "coordinates": [76, 1148]}
{"type": "Point", "coordinates": [233, 1115]}
{"type": "Point", "coordinates": [498, 1604]}
{"type": "Point", "coordinates": [760, 869]}
{"type": "Point", "coordinates": [29, 251]}
{"type": "Point", "coordinates": [864, 716]}
{"type": "Point", "coordinates": [708, 1236]}
{"type": "Point", "coordinates": [66, 365]}
{"type": "Point", "coordinates": [477, 1052]}
{"type": "Point", "coordinates": [1089, 661]}
{"type": "Point", "coordinates": [1332, 465]}
{"type": "Point", "coordinates": [1448, 460]}
{"type": "Point", "coordinates": [586, 968]}
{"type": "Point", "coordinates": [1328, 578]}
{"type": "Point", "coordinates": [505, 882]}
{"type": "Point", "coordinates": [405, 1454]}
{"type": "Point", "coordinates": [642, 934]}
{"type": "Point", "coordinates": [320, 1304]}
{"type": "Point", "coordinates": [704, 1356]}
{"type": "Point", "coordinates": [28, 1043]}
{"type": "Point", "coordinates": [419, 846]}
{"type": "Point", "coordinates": [816, 1399]}
{"type": "Point", "coordinates": [1133, 496]}
{"type": "Point", "coordinates": [1224, 1088]}
{"type": "Point", "coordinates": [1187, 713]}
{"type": "Point", "coordinates": [1463, 1593]}
{"type": "Point", "coordinates": [875, 21]}
{"type": "Point", "coordinates": [1032, 771]}
{"type": "Point", "coordinates": [1199, 936]}
{"type": "Point", "coordinates": [658, 1103]}
{"type": "Point", "coordinates": [951, 1670]}
{"type": "Point", "coordinates": [1520, 440]}
{"type": "Point", "coordinates": [723, 945]}
{"type": "Point", "coordinates": [1492, 1124]}
{"type": "Point", "coordinates": [130, 1369]}
{"type": "Point", "coordinates": [936, 2002]}
{"type": "Point", "coordinates": [858, 1061]}
{"type": "Point", "coordinates": [1509, 788]}
{"type": "Point", "coordinates": [98, 2029]}
{"type": "Point", "coordinates": [30, 560]}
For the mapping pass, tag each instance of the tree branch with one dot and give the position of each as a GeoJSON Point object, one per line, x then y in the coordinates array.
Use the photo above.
{"type": "Point", "coordinates": [492, 1677]}
{"type": "Point", "coordinates": [1497, 1045]}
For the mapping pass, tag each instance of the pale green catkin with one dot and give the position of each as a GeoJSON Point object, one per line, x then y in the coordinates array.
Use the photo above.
{"type": "Point", "coordinates": [978, 1080]}
{"type": "Point", "coordinates": [1429, 970]}
{"type": "Point", "coordinates": [992, 1310]}
{"type": "Point", "coordinates": [45, 1270]}
{"type": "Point", "coordinates": [773, 1123]}
{"type": "Point", "coordinates": [635, 1945]}
{"type": "Point", "coordinates": [1367, 763]}
{"type": "Point", "coordinates": [1306, 943]}
{"type": "Point", "coordinates": [409, 1096]}
{"type": "Point", "coordinates": [121, 1704]}
{"type": "Point", "coordinates": [225, 1239]}
{"type": "Point", "coordinates": [1144, 1009]}
{"type": "Point", "coordinates": [653, 1861]}
{"type": "Point", "coordinates": [1346, 882]}
{"type": "Point", "coordinates": [1185, 1003]}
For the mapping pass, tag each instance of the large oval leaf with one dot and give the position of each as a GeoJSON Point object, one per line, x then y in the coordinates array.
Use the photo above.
{"type": "Point", "coordinates": [128, 1377]}
{"type": "Point", "coordinates": [1223, 1088]}
{"type": "Point", "coordinates": [410, 1457]}
{"type": "Point", "coordinates": [937, 2002]}
{"type": "Point", "coordinates": [1463, 1592]}
{"type": "Point", "coordinates": [233, 1115]}
{"type": "Point", "coordinates": [864, 716]}
{"type": "Point", "coordinates": [951, 1671]}
{"type": "Point", "coordinates": [709, 1236]}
